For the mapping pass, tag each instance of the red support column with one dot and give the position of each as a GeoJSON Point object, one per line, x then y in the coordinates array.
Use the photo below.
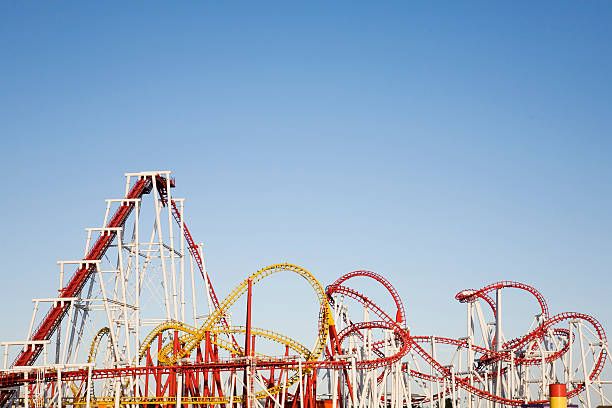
{"type": "Point", "coordinates": [314, 388]}
{"type": "Point", "coordinates": [247, 341]}
{"type": "Point", "coordinates": [158, 375]}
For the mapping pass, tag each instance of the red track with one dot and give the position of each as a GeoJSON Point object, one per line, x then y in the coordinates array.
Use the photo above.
{"type": "Point", "coordinates": [395, 324]}
{"type": "Point", "coordinates": [54, 317]}
{"type": "Point", "coordinates": [488, 356]}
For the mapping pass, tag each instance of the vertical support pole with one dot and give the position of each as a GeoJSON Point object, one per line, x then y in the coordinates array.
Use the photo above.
{"type": "Point", "coordinates": [182, 238]}
{"type": "Point", "coordinates": [58, 338]}
{"type": "Point", "coordinates": [158, 375]}
{"type": "Point", "coordinates": [247, 344]}
{"type": "Point", "coordinates": [124, 295]}
{"type": "Point", "coordinates": [470, 352]}
{"type": "Point", "coordinates": [284, 389]}
{"type": "Point", "coordinates": [570, 338]}
{"type": "Point", "coordinates": [61, 278]}
{"type": "Point", "coordinates": [127, 185]}
{"type": "Point", "coordinates": [171, 250]}
{"type": "Point", "coordinates": [179, 391]}
{"type": "Point", "coordinates": [26, 387]}
{"type": "Point", "coordinates": [59, 388]}
{"type": "Point", "coordinates": [36, 303]}
{"type": "Point", "coordinates": [111, 326]}
{"type": "Point", "coordinates": [117, 392]}
{"type": "Point", "coordinates": [193, 294]}
{"type": "Point", "coordinates": [137, 273]}
{"type": "Point", "coordinates": [543, 370]}
{"type": "Point", "coordinates": [301, 386]}
{"type": "Point", "coordinates": [453, 393]}
{"type": "Point", "coordinates": [161, 247]}
{"type": "Point", "coordinates": [409, 381]}
{"type": "Point", "coordinates": [67, 336]}
{"type": "Point", "coordinates": [334, 385]}
{"type": "Point", "coordinates": [584, 367]}
{"type": "Point", "coordinates": [498, 340]}
{"type": "Point", "coordinates": [354, 380]}
{"type": "Point", "coordinates": [431, 372]}
{"type": "Point", "coordinates": [89, 385]}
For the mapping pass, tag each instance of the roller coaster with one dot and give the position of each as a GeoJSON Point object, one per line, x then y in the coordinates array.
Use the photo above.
{"type": "Point", "coordinates": [128, 329]}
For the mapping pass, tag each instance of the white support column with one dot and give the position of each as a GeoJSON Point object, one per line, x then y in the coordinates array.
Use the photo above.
{"type": "Point", "coordinates": [587, 381]}
{"type": "Point", "coordinates": [172, 254]}
{"type": "Point", "coordinates": [354, 380]}
{"type": "Point", "coordinates": [117, 392]}
{"type": "Point", "coordinates": [5, 356]}
{"type": "Point", "coordinates": [498, 339]}
{"type": "Point", "coordinates": [136, 249]}
{"type": "Point", "coordinates": [182, 267]}
{"type": "Point", "coordinates": [284, 390]}
{"type": "Point", "coordinates": [69, 322]}
{"type": "Point", "coordinates": [123, 279]}
{"type": "Point", "coordinates": [570, 339]}
{"type": "Point", "coordinates": [89, 385]}
{"type": "Point", "coordinates": [179, 390]}
{"type": "Point", "coordinates": [36, 303]}
{"type": "Point", "coordinates": [334, 390]}
{"type": "Point", "coordinates": [469, 363]}
{"type": "Point", "coordinates": [431, 372]}
{"type": "Point", "coordinates": [193, 294]}
{"type": "Point", "coordinates": [59, 388]}
{"type": "Point", "coordinates": [111, 324]}
{"type": "Point", "coordinates": [453, 388]}
{"type": "Point", "coordinates": [106, 213]}
{"type": "Point", "coordinates": [26, 398]}
{"type": "Point", "coordinates": [161, 249]}
{"type": "Point", "coordinates": [409, 383]}
{"type": "Point", "coordinates": [301, 388]}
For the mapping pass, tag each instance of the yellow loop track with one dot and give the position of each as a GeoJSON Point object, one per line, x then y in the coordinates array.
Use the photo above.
{"type": "Point", "coordinates": [192, 336]}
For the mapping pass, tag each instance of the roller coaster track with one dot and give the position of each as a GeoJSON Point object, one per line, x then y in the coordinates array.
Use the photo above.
{"type": "Point", "coordinates": [193, 340]}
{"type": "Point", "coordinates": [378, 356]}
{"type": "Point", "coordinates": [489, 357]}
{"type": "Point", "coordinates": [401, 337]}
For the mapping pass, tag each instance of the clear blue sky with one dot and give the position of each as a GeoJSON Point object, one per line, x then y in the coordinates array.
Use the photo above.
{"type": "Point", "coordinates": [443, 145]}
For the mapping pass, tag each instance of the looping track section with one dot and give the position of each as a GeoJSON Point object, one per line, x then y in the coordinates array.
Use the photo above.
{"type": "Point", "coordinates": [138, 323]}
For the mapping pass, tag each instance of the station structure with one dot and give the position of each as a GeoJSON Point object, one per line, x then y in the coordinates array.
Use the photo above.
{"type": "Point", "coordinates": [136, 323]}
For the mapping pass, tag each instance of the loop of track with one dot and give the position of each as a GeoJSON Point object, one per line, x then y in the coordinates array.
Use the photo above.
{"type": "Point", "coordinates": [194, 336]}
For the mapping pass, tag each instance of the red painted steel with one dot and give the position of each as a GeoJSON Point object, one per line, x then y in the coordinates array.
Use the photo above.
{"type": "Point", "coordinates": [248, 352]}
{"type": "Point", "coordinates": [54, 317]}
{"type": "Point", "coordinates": [208, 365]}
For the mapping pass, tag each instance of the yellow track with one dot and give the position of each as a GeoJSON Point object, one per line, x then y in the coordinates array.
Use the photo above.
{"type": "Point", "coordinates": [93, 349]}
{"type": "Point", "coordinates": [194, 336]}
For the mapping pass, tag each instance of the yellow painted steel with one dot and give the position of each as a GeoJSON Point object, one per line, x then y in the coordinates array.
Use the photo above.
{"type": "Point", "coordinates": [558, 402]}
{"type": "Point", "coordinates": [194, 336]}
{"type": "Point", "coordinates": [268, 334]}
{"type": "Point", "coordinates": [124, 401]}
{"type": "Point", "coordinates": [93, 349]}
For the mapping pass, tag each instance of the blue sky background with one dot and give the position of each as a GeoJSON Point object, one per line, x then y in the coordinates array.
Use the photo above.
{"type": "Point", "coordinates": [443, 145]}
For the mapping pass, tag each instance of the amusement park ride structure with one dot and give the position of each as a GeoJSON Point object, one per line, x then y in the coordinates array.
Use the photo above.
{"type": "Point", "coordinates": [122, 335]}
